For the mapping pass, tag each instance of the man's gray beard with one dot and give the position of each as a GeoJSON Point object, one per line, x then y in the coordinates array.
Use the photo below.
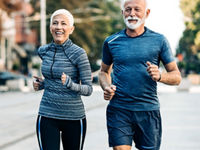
{"type": "Point", "coordinates": [134, 26]}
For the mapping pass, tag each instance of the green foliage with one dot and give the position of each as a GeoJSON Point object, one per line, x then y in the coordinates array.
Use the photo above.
{"type": "Point", "coordinates": [189, 44]}
{"type": "Point", "coordinates": [94, 21]}
{"type": "Point", "coordinates": [36, 66]}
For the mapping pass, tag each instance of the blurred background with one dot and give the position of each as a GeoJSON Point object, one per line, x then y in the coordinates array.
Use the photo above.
{"type": "Point", "coordinates": [24, 26]}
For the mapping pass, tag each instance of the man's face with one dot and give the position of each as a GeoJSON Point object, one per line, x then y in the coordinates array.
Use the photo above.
{"type": "Point", "coordinates": [134, 13]}
{"type": "Point", "coordinates": [60, 29]}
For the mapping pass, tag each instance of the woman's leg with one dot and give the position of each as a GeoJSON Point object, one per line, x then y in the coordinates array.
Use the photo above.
{"type": "Point", "coordinates": [73, 134]}
{"type": "Point", "coordinates": [48, 133]}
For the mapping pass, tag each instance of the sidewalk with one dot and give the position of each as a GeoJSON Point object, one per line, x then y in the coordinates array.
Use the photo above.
{"type": "Point", "coordinates": [180, 116]}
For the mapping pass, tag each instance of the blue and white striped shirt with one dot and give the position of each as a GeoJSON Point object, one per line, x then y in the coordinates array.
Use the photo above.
{"type": "Point", "coordinates": [64, 101]}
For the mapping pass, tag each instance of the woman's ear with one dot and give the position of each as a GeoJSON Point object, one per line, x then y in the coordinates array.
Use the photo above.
{"type": "Point", "coordinates": [72, 29]}
{"type": "Point", "coordinates": [50, 28]}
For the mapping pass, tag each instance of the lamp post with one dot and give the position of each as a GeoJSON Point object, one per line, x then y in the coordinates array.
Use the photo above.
{"type": "Point", "coordinates": [43, 21]}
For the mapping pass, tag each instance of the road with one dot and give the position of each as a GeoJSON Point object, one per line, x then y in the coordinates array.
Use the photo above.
{"type": "Point", "coordinates": [180, 116]}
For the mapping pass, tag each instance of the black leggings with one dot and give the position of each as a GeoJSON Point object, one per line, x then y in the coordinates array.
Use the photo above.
{"type": "Point", "coordinates": [50, 130]}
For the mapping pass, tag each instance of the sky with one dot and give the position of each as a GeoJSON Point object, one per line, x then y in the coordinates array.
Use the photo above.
{"type": "Point", "coordinates": [166, 18]}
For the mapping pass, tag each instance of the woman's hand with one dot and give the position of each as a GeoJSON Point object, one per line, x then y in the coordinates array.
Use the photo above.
{"type": "Point", "coordinates": [63, 78]}
{"type": "Point", "coordinates": [37, 82]}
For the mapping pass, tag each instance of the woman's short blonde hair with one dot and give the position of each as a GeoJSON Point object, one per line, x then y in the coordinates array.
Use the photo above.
{"type": "Point", "coordinates": [63, 12]}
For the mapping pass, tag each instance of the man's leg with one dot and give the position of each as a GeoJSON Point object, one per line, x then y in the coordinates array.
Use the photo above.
{"type": "Point", "coordinates": [122, 147]}
{"type": "Point", "coordinates": [148, 130]}
{"type": "Point", "coordinates": [120, 129]}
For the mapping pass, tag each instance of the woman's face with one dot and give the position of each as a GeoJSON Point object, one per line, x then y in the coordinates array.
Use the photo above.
{"type": "Point", "coordinates": [60, 29]}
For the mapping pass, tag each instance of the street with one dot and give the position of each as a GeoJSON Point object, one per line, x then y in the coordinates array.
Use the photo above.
{"type": "Point", "coordinates": [180, 117]}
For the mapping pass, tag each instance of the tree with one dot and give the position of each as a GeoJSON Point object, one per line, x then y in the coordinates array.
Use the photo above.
{"type": "Point", "coordinates": [189, 44]}
{"type": "Point", "coordinates": [94, 21]}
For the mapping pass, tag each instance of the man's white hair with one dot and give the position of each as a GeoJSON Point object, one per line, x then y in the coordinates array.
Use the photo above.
{"type": "Point", "coordinates": [124, 1]}
{"type": "Point", "coordinates": [63, 12]}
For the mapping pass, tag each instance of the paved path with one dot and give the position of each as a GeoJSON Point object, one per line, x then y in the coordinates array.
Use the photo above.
{"type": "Point", "coordinates": [180, 112]}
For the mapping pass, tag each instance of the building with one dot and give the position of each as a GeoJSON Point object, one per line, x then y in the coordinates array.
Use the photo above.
{"type": "Point", "coordinates": [17, 39]}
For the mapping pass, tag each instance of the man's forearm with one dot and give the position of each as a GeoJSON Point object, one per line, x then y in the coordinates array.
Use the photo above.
{"type": "Point", "coordinates": [104, 79]}
{"type": "Point", "coordinates": [171, 78]}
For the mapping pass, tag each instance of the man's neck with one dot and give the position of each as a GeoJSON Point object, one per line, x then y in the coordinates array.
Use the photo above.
{"type": "Point", "coordinates": [135, 32]}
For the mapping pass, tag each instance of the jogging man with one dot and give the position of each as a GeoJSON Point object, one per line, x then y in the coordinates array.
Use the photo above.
{"type": "Point", "coordinates": [134, 54]}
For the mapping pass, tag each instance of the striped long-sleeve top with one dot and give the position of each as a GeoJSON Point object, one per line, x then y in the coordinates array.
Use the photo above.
{"type": "Point", "coordinates": [64, 101]}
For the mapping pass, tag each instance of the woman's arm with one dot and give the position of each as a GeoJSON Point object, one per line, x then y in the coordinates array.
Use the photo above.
{"type": "Point", "coordinates": [85, 75]}
{"type": "Point", "coordinates": [38, 84]}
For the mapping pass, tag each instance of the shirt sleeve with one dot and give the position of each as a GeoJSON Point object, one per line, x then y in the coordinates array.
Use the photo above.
{"type": "Point", "coordinates": [166, 52]}
{"type": "Point", "coordinates": [107, 57]}
{"type": "Point", "coordinates": [85, 87]}
{"type": "Point", "coordinates": [41, 87]}
{"type": "Point", "coordinates": [42, 51]}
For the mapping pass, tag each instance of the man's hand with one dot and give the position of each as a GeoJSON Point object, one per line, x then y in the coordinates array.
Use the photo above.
{"type": "Point", "coordinates": [109, 92]}
{"type": "Point", "coordinates": [153, 71]}
{"type": "Point", "coordinates": [36, 83]}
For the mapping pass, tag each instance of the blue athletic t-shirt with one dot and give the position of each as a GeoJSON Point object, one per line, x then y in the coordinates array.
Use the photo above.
{"type": "Point", "coordinates": [136, 90]}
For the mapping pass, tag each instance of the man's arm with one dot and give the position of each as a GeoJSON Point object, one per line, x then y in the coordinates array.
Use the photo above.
{"type": "Point", "coordinates": [172, 76]}
{"type": "Point", "coordinates": [105, 75]}
{"type": "Point", "coordinates": [105, 81]}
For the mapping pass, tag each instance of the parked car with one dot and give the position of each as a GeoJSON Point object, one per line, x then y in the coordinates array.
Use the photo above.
{"type": "Point", "coordinates": [15, 82]}
{"type": "Point", "coordinates": [4, 76]}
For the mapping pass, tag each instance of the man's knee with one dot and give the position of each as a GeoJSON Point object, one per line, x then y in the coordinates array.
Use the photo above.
{"type": "Point", "coordinates": [122, 147]}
